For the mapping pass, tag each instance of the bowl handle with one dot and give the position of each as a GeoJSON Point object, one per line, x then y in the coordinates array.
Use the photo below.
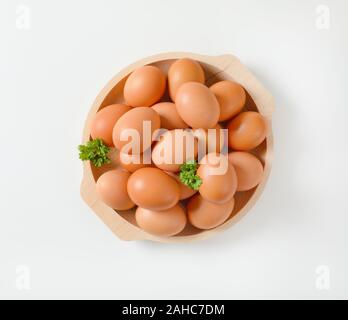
{"type": "Point", "coordinates": [119, 226]}
{"type": "Point", "coordinates": [230, 64]}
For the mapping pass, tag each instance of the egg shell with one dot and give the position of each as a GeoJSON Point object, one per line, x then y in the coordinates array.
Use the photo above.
{"type": "Point", "coordinates": [134, 119]}
{"type": "Point", "coordinates": [182, 71]}
{"type": "Point", "coordinates": [114, 164]}
{"type": "Point", "coordinates": [144, 86]}
{"type": "Point", "coordinates": [207, 142]}
{"type": "Point", "coordinates": [248, 168]}
{"type": "Point", "coordinates": [164, 223]}
{"type": "Point", "coordinates": [104, 121]}
{"type": "Point", "coordinates": [134, 162]}
{"type": "Point", "coordinates": [231, 97]}
{"type": "Point", "coordinates": [246, 131]}
{"type": "Point", "coordinates": [185, 191]}
{"type": "Point", "coordinates": [218, 186]}
{"type": "Point", "coordinates": [170, 118]}
{"type": "Point", "coordinates": [197, 105]}
{"type": "Point", "coordinates": [112, 189]}
{"type": "Point", "coordinates": [205, 215]}
{"type": "Point", "coordinates": [169, 153]}
{"type": "Point", "coordinates": [151, 188]}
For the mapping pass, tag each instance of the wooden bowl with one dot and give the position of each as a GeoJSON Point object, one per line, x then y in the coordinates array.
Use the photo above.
{"type": "Point", "coordinates": [224, 67]}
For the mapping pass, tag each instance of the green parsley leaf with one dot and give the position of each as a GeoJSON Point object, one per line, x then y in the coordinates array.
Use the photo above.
{"type": "Point", "coordinates": [188, 175]}
{"type": "Point", "coordinates": [95, 151]}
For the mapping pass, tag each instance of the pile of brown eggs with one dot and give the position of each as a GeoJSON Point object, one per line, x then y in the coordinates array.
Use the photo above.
{"type": "Point", "coordinates": [164, 204]}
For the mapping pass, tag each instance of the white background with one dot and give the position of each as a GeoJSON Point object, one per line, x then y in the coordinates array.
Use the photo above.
{"type": "Point", "coordinates": [50, 74]}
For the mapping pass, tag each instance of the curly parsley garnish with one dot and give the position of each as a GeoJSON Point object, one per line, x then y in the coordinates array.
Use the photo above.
{"type": "Point", "coordinates": [95, 151]}
{"type": "Point", "coordinates": [188, 175]}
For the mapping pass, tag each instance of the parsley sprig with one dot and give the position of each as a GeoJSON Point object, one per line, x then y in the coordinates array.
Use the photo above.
{"type": "Point", "coordinates": [188, 175]}
{"type": "Point", "coordinates": [95, 151]}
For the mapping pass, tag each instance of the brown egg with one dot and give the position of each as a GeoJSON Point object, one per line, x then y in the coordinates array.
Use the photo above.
{"type": "Point", "coordinates": [134, 162]}
{"type": "Point", "coordinates": [248, 168]}
{"type": "Point", "coordinates": [170, 118]}
{"type": "Point", "coordinates": [231, 97]}
{"type": "Point", "coordinates": [174, 148]}
{"type": "Point", "coordinates": [151, 188]}
{"type": "Point", "coordinates": [185, 191]}
{"type": "Point", "coordinates": [104, 121]}
{"type": "Point", "coordinates": [246, 131]}
{"type": "Point", "coordinates": [144, 87]}
{"type": "Point", "coordinates": [164, 223]}
{"type": "Point", "coordinates": [136, 119]}
{"type": "Point", "coordinates": [219, 178]}
{"type": "Point", "coordinates": [112, 189]}
{"type": "Point", "coordinates": [182, 71]}
{"type": "Point", "coordinates": [204, 214]}
{"type": "Point", "coordinates": [114, 164]}
{"type": "Point", "coordinates": [210, 140]}
{"type": "Point", "coordinates": [197, 105]}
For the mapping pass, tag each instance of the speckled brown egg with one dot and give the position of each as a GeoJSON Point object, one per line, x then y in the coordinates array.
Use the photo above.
{"type": "Point", "coordinates": [197, 105]}
{"type": "Point", "coordinates": [164, 223]}
{"type": "Point", "coordinates": [182, 71]}
{"type": "Point", "coordinates": [248, 168]}
{"type": "Point", "coordinates": [170, 118]}
{"type": "Point", "coordinates": [246, 131]}
{"type": "Point", "coordinates": [231, 97]}
{"type": "Point", "coordinates": [112, 189]}
{"type": "Point", "coordinates": [204, 214]}
{"type": "Point", "coordinates": [219, 178]}
{"type": "Point", "coordinates": [105, 120]}
{"type": "Point", "coordinates": [144, 86]}
{"type": "Point", "coordinates": [133, 122]}
{"type": "Point", "coordinates": [151, 188]}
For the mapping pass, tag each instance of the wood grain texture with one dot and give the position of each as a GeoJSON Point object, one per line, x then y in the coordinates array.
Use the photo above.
{"type": "Point", "coordinates": [216, 68]}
